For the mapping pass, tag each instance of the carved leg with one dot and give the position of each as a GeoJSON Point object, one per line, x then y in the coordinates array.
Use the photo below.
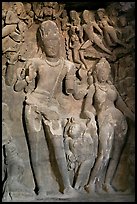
{"type": "Point", "coordinates": [83, 174]}
{"type": "Point", "coordinates": [58, 145]}
{"type": "Point", "coordinates": [8, 29]}
{"type": "Point", "coordinates": [99, 43]}
{"type": "Point", "coordinates": [33, 133]}
{"type": "Point", "coordinates": [75, 54]}
{"type": "Point", "coordinates": [107, 38]}
{"type": "Point", "coordinates": [118, 147]}
{"type": "Point", "coordinates": [81, 53]}
{"type": "Point", "coordinates": [61, 159]}
{"type": "Point", "coordinates": [114, 37]}
{"type": "Point", "coordinates": [96, 171]}
{"type": "Point", "coordinates": [106, 136]}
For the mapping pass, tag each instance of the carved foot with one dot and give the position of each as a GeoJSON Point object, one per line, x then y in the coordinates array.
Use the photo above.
{"type": "Point", "coordinates": [108, 188]}
{"type": "Point", "coordinates": [42, 194]}
{"type": "Point", "coordinates": [19, 191]}
{"type": "Point", "coordinates": [91, 188]}
{"type": "Point", "coordinates": [82, 190]}
{"type": "Point", "coordinates": [19, 195]}
{"type": "Point", "coordinates": [70, 193]}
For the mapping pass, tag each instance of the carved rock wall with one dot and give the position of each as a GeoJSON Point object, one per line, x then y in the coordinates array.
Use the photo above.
{"type": "Point", "coordinates": [20, 21]}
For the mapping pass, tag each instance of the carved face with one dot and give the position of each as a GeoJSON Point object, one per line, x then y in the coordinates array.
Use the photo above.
{"type": "Point", "coordinates": [50, 38]}
{"type": "Point", "coordinates": [103, 74]}
{"type": "Point", "coordinates": [86, 15]}
{"type": "Point", "coordinates": [52, 47]}
{"type": "Point", "coordinates": [103, 70]}
{"type": "Point", "coordinates": [73, 14]}
{"type": "Point", "coordinates": [18, 7]}
{"type": "Point", "coordinates": [64, 13]}
{"type": "Point", "coordinates": [75, 130]}
{"type": "Point", "coordinates": [101, 13]}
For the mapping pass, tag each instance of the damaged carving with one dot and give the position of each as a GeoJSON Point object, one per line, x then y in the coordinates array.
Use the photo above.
{"type": "Point", "coordinates": [68, 83]}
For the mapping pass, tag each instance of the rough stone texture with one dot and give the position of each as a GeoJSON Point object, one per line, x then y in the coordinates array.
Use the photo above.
{"type": "Point", "coordinates": [106, 48]}
{"type": "Point", "coordinates": [83, 198]}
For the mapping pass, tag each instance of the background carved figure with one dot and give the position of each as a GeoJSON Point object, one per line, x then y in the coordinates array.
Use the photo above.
{"type": "Point", "coordinates": [110, 33]}
{"type": "Point", "coordinates": [12, 164]}
{"type": "Point", "coordinates": [88, 28]}
{"type": "Point", "coordinates": [80, 162]}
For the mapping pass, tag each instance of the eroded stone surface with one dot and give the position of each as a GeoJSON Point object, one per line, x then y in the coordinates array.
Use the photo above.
{"type": "Point", "coordinates": [68, 83]}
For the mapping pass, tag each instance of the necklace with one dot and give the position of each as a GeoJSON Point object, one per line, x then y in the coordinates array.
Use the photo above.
{"type": "Point", "coordinates": [54, 64]}
{"type": "Point", "coordinates": [102, 87]}
{"type": "Point", "coordinates": [52, 93]}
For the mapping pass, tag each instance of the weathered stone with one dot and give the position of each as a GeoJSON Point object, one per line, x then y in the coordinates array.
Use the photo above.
{"type": "Point", "coordinates": [68, 82]}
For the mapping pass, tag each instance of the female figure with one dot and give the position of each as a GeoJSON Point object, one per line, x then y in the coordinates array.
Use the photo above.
{"type": "Point", "coordinates": [112, 127]}
{"type": "Point", "coordinates": [75, 45]}
{"type": "Point", "coordinates": [75, 24]}
{"type": "Point", "coordinates": [76, 39]}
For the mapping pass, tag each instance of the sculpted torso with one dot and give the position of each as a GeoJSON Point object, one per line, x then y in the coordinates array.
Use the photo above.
{"type": "Point", "coordinates": [105, 97]}
{"type": "Point", "coordinates": [46, 72]}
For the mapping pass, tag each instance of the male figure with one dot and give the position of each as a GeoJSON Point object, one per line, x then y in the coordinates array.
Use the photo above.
{"type": "Point", "coordinates": [42, 106]}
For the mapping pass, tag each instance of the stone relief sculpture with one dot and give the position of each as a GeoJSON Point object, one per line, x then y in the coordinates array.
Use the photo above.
{"type": "Point", "coordinates": [74, 93]}
{"type": "Point", "coordinates": [64, 28]}
{"type": "Point", "coordinates": [12, 39]}
{"type": "Point", "coordinates": [80, 162]}
{"type": "Point", "coordinates": [88, 27]}
{"type": "Point", "coordinates": [91, 41]}
{"type": "Point", "coordinates": [112, 126]}
{"type": "Point", "coordinates": [42, 104]}
{"type": "Point", "coordinates": [81, 48]}
{"type": "Point", "coordinates": [110, 33]}
{"type": "Point", "coordinates": [89, 112]}
{"type": "Point", "coordinates": [12, 165]}
{"type": "Point", "coordinates": [11, 22]}
{"type": "Point", "coordinates": [75, 36]}
{"type": "Point", "coordinates": [126, 28]}
{"type": "Point", "coordinates": [76, 24]}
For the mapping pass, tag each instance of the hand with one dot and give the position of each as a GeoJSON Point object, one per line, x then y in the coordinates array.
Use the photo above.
{"type": "Point", "coordinates": [21, 73]}
{"type": "Point", "coordinates": [31, 63]}
{"type": "Point", "coordinates": [31, 66]}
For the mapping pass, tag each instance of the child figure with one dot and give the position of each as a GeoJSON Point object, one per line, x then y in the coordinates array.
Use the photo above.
{"type": "Point", "coordinates": [79, 152]}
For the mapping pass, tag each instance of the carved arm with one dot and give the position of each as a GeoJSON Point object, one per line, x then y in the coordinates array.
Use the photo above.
{"type": "Point", "coordinates": [70, 80]}
{"type": "Point", "coordinates": [98, 28]}
{"type": "Point", "coordinates": [21, 82]}
{"type": "Point", "coordinates": [22, 79]}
